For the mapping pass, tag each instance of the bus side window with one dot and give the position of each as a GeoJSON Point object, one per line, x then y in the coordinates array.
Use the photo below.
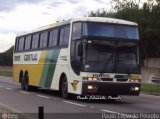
{"type": "Point", "coordinates": [35, 41]}
{"type": "Point", "coordinates": [44, 39]}
{"type": "Point", "coordinates": [21, 44]}
{"type": "Point", "coordinates": [16, 44]}
{"type": "Point", "coordinates": [28, 42]}
{"type": "Point", "coordinates": [64, 35]}
{"type": "Point", "coordinates": [61, 39]}
{"type": "Point", "coordinates": [53, 38]}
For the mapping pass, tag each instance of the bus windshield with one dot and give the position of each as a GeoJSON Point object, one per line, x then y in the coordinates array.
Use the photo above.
{"type": "Point", "coordinates": [110, 30]}
{"type": "Point", "coordinates": [111, 57]}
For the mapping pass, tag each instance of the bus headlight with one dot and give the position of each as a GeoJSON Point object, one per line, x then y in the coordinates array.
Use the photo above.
{"type": "Point", "coordinates": [94, 79]}
{"type": "Point", "coordinates": [135, 78]}
{"type": "Point", "coordinates": [90, 79]}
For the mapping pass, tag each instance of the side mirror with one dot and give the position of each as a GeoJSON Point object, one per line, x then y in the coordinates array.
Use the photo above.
{"type": "Point", "coordinates": [80, 49]}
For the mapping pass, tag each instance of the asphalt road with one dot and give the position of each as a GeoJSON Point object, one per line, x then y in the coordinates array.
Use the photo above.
{"type": "Point", "coordinates": [12, 97]}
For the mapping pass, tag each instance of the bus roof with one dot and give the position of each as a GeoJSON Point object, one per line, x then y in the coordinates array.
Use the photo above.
{"type": "Point", "coordinates": [106, 20]}
{"type": "Point", "coordinates": [45, 27]}
{"type": "Point", "coordinates": [91, 19]}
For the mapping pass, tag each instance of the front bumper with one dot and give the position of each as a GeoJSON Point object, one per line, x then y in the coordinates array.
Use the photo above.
{"type": "Point", "coordinates": [110, 88]}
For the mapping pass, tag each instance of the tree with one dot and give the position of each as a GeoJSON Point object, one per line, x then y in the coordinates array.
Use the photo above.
{"type": "Point", "coordinates": [119, 5]}
{"type": "Point", "coordinates": [6, 58]}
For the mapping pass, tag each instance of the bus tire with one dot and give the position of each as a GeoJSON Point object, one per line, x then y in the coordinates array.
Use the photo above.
{"type": "Point", "coordinates": [26, 83]}
{"type": "Point", "coordinates": [64, 88]}
{"type": "Point", "coordinates": [22, 83]}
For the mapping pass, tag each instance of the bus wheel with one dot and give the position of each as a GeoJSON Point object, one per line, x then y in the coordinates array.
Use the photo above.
{"type": "Point", "coordinates": [22, 83]}
{"type": "Point", "coordinates": [64, 88]}
{"type": "Point", "coordinates": [26, 83]}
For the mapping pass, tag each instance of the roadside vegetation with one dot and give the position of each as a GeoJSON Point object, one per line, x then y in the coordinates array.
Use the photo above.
{"type": "Point", "coordinates": [6, 61]}
{"type": "Point", "coordinates": [7, 57]}
{"type": "Point", "coordinates": [6, 73]}
{"type": "Point", "coordinates": [150, 88]}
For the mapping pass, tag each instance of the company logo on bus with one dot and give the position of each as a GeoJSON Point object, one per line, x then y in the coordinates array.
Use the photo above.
{"type": "Point", "coordinates": [74, 84]}
{"type": "Point", "coordinates": [17, 58]}
{"type": "Point", "coordinates": [101, 75]}
{"type": "Point", "coordinates": [31, 57]}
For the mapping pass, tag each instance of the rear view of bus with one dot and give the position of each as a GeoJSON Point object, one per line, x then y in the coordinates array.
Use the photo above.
{"type": "Point", "coordinates": [106, 56]}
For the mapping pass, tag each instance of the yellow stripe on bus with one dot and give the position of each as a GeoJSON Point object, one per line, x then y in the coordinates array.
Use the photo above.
{"type": "Point", "coordinates": [34, 70]}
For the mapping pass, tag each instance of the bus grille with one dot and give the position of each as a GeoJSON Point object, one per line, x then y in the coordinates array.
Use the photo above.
{"type": "Point", "coordinates": [107, 79]}
{"type": "Point", "coordinates": [119, 76]}
{"type": "Point", "coordinates": [122, 80]}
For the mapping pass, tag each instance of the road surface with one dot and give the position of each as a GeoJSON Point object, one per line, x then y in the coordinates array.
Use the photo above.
{"type": "Point", "coordinates": [12, 97]}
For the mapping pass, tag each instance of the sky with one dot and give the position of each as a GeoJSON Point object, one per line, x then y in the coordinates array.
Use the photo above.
{"type": "Point", "coordinates": [17, 16]}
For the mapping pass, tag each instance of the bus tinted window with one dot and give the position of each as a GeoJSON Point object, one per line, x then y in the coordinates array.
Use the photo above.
{"type": "Point", "coordinates": [61, 37]}
{"type": "Point", "coordinates": [16, 44]}
{"type": "Point", "coordinates": [35, 41]}
{"type": "Point", "coordinates": [44, 39]}
{"type": "Point", "coordinates": [64, 36]}
{"type": "Point", "coordinates": [53, 38]}
{"type": "Point", "coordinates": [110, 30]}
{"type": "Point", "coordinates": [77, 30]}
{"type": "Point", "coordinates": [21, 44]}
{"type": "Point", "coordinates": [28, 42]}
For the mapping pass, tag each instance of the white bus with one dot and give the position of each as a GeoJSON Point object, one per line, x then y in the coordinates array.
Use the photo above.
{"type": "Point", "coordinates": [82, 56]}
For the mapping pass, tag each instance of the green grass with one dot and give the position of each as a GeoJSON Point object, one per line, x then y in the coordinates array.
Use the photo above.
{"type": "Point", "coordinates": [150, 88]}
{"type": "Point", "coordinates": [6, 73]}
